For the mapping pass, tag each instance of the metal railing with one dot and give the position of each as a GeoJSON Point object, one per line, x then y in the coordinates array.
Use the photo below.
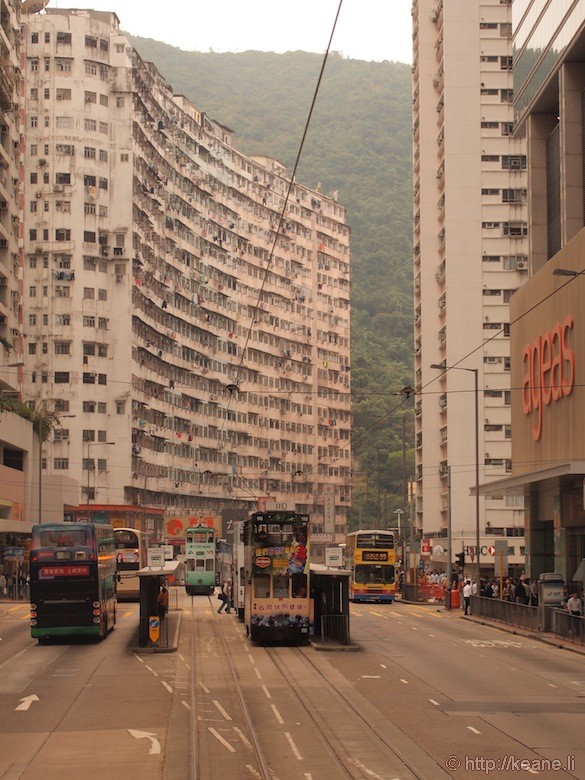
{"type": "Point", "coordinates": [335, 628]}
{"type": "Point", "coordinates": [519, 615]}
{"type": "Point", "coordinates": [567, 626]}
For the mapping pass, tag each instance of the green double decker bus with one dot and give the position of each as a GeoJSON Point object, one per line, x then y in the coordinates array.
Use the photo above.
{"type": "Point", "coordinates": [72, 580]}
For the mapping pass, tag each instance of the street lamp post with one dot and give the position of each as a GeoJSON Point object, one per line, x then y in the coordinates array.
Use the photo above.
{"type": "Point", "coordinates": [475, 373]}
{"type": "Point", "coordinates": [89, 445]}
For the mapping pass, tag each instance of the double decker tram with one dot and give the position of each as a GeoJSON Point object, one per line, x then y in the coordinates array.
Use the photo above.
{"type": "Point", "coordinates": [372, 557]}
{"type": "Point", "coordinates": [277, 603]}
{"type": "Point", "coordinates": [72, 580]}
{"type": "Point", "coordinates": [200, 560]}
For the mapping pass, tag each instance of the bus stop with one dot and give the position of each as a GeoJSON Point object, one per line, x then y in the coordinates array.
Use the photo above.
{"type": "Point", "coordinates": [154, 632]}
{"type": "Point", "coordinates": [330, 593]}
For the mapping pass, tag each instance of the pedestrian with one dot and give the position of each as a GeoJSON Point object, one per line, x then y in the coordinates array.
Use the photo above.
{"type": "Point", "coordinates": [466, 596]}
{"type": "Point", "coordinates": [163, 603]}
{"type": "Point", "coordinates": [2, 585]}
{"type": "Point", "coordinates": [226, 593]}
{"type": "Point", "coordinates": [574, 605]}
{"type": "Point", "coordinates": [534, 593]}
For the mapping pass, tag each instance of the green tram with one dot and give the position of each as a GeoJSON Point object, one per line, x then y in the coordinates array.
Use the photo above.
{"type": "Point", "coordinates": [72, 580]}
{"type": "Point", "coordinates": [200, 560]}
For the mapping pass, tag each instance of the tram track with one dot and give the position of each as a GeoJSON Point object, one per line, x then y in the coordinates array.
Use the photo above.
{"type": "Point", "coordinates": [290, 714]}
{"type": "Point", "coordinates": [258, 767]}
{"type": "Point", "coordinates": [348, 712]}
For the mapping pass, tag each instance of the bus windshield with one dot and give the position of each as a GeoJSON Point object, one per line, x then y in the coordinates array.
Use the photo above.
{"type": "Point", "coordinates": [372, 573]}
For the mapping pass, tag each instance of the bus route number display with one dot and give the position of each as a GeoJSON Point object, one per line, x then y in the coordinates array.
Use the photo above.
{"type": "Point", "coordinates": [373, 555]}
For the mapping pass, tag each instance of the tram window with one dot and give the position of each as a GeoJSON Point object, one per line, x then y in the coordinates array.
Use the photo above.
{"type": "Point", "coordinates": [199, 563]}
{"type": "Point", "coordinates": [262, 586]}
{"type": "Point", "coordinates": [280, 587]}
{"type": "Point", "coordinates": [190, 564]}
{"type": "Point", "coordinates": [209, 564]}
{"type": "Point", "coordinates": [299, 586]}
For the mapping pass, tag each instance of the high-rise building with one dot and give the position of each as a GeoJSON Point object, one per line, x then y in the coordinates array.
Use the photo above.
{"type": "Point", "coordinates": [187, 306]}
{"type": "Point", "coordinates": [548, 330]}
{"type": "Point", "coordinates": [470, 255]}
{"type": "Point", "coordinates": [15, 435]}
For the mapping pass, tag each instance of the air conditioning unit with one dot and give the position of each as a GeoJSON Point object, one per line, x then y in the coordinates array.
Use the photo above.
{"type": "Point", "coordinates": [522, 265]}
{"type": "Point", "coordinates": [514, 162]}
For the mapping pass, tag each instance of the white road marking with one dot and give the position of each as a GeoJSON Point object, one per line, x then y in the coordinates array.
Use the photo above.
{"type": "Point", "coordinates": [252, 771]}
{"type": "Point", "coordinates": [432, 701]}
{"type": "Point", "coordinates": [552, 686]}
{"type": "Point", "coordinates": [181, 656]}
{"type": "Point", "coordinates": [383, 666]}
{"type": "Point", "coordinates": [203, 687]}
{"type": "Point", "coordinates": [258, 675]}
{"type": "Point", "coordinates": [367, 771]}
{"type": "Point", "coordinates": [138, 658]}
{"type": "Point", "coordinates": [293, 747]}
{"type": "Point", "coordinates": [267, 692]}
{"type": "Point", "coordinates": [251, 659]}
{"type": "Point", "coordinates": [223, 741]}
{"type": "Point", "coordinates": [167, 686]}
{"type": "Point", "coordinates": [154, 743]}
{"type": "Point", "coordinates": [221, 709]}
{"type": "Point", "coordinates": [150, 669]}
{"type": "Point", "coordinates": [404, 681]}
{"type": "Point", "coordinates": [277, 714]}
{"type": "Point", "coordinates": [475, 731]}
{"type": "Point", "coordinates": [243, 737]}
{"type": "Point", "coordinates": [186, 705]}
{"type": "Point", "coordinates": [371, 677]}
{"type": "Point", "coordinates": [26, 702]}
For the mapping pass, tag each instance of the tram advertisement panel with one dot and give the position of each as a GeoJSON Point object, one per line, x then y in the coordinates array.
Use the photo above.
{"type": "Point", "coordinates": [280, 568]}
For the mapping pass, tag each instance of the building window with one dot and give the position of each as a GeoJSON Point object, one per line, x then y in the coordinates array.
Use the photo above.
{"type": "Point", "coordinates": [90, 97]}
{"type": "Point", "coordinates": [88, 379]}
{"type": "Point", "coordinates": [61, 464]}
{"type": "Point", "coordinates": [62, 234]}
{"type": "Point", "coordinates": [89, 153]}
{"type": "Point", "coordinates": [63, 94]}
{"type": "Point", "coordinates": [61, 377]}
{"type": "Point", "coordinates": [62, 348]}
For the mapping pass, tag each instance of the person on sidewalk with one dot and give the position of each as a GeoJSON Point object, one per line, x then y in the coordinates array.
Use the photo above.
{"type": "Point", "coordinates": [226, 592]}
{"type": "Point", "coordinates": [466, 596]}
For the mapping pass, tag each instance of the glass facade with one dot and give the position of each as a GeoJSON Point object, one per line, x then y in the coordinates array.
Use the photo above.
{"type": "Point", "coordinates": [538, 49]}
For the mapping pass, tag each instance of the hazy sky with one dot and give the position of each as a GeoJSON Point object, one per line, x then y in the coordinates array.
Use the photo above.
{"type": "Point", "coordinates": [366, 29]}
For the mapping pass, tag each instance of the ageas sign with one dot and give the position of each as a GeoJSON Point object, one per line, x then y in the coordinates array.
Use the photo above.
{"type": "Point", "coordinates": [549, 371]}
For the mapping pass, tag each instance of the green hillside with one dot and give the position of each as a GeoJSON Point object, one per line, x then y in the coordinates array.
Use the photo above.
{"type": "Point", "coordinates": [358, 143]}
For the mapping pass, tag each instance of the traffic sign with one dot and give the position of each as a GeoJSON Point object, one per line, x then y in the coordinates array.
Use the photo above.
{"type": "Point", "coordinates": [154, 628]}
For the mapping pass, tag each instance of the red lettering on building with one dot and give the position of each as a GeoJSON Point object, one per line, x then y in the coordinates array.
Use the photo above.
{"type": "Point", "coordinates": [549, 371]}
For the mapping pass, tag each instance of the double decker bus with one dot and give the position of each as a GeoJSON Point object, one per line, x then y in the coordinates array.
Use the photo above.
{"type": "Point", "coordinates": [200, 560]}
{"type": "Point", "coordinates": [372, 557]}
{"type": "Point", "coordinates": [130, 557]}
{"type": "Point", "coordinates": [72, 580]}
{"type": "Point", "coordinates": [277, 603]}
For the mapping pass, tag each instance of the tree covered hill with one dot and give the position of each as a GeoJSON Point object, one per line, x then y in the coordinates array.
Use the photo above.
{"type": "Point", "coordinates": [359, 144]}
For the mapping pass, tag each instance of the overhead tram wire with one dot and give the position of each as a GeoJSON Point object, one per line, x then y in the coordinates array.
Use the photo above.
{"type": "Point", "coordinates": [287, 196]}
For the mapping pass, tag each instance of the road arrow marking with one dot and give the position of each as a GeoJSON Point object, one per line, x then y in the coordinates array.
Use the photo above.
{"type": "Point", "coordinates": [26, 702]}
{"type": "Point", "coordinates": [154, 743]}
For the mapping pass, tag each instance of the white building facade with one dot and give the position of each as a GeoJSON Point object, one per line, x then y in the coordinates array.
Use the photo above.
{"type": "Point", "coordinates": [470, 255]}
{"type": "Point", "coordinates": [186, 306]}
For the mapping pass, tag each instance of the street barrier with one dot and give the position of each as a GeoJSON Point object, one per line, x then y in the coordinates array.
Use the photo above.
{"type": "Point", "coordinates": [567, 626]}
{"type": "Point", "coordinates": [519, 615]}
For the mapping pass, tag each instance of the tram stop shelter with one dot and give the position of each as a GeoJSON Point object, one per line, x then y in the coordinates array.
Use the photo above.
{"type": "Point", "coordinates": [152, 632]}
{"type": "Point", "coordinates": [330, 593]}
